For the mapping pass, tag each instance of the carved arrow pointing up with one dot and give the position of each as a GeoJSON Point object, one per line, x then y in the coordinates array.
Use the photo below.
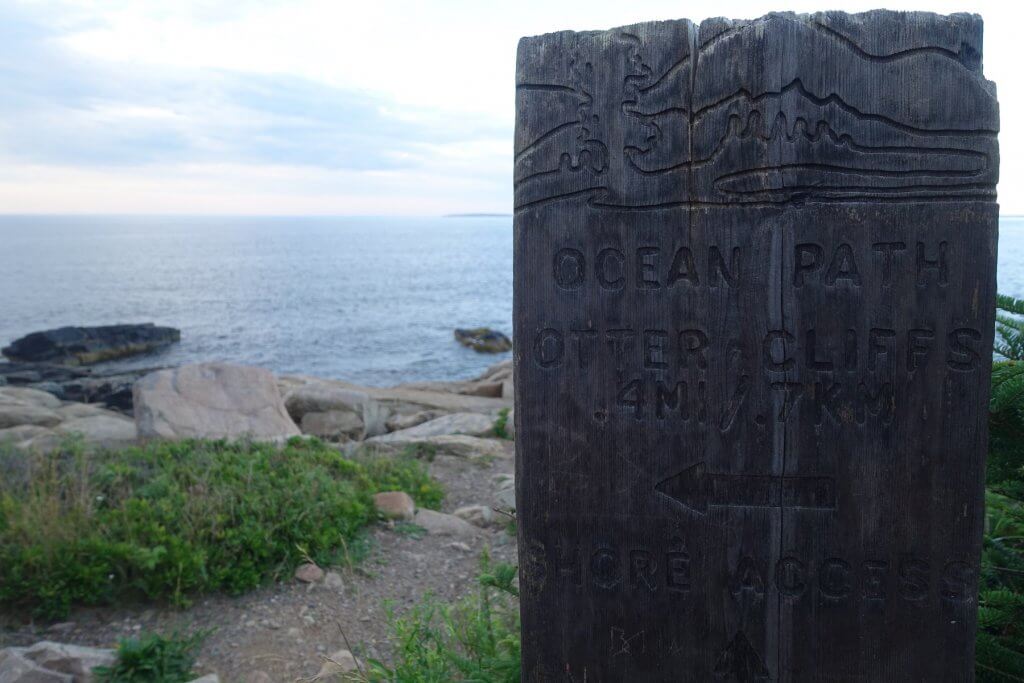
{"type": "Point", "coordinates": [697, 489]}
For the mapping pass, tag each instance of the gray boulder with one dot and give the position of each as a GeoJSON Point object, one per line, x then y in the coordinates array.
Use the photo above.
{"type": "Point", "coordinates": [440, 524]}
{"type": "Point", "coordinates": [350, 412]}
{"type": "Point", "coordinates": [334, 425]}
{"type": "Point", "coordinates": [504, 491]}
{"type": "Point", "coordinates": [14, 415]}
{"type": "Point", "coordinates": [84, 385]}
{"type": "Point", "coordinates": [74, 660]}
{"type": "Point", "coordinates": [399, 422]}
{"type": "Point", "coordinates": [402, 400]}
{"type": "Point", "coordinates": [477, 515]}
{"type": "Point", "coordinates": [86, 345]}
{"type": "Point", "coordinates": [455, 445]}
{"type": "Point", "coordinates": [24, 396]}
{"type": "Point", "coordinates": [108, 430]}
{"type": "Point", "coordinates": [30, 437]}
{"type": "Point", "coordinates": [473, 424]}
{"type": "Point", "coordinates": [16, 668]}
{"type": "Point", "coordinates": [72, 411]}
{"type": "Point", "coordinates": [211, 401]}
{"type": "Point", "coordinates": [495, 382]}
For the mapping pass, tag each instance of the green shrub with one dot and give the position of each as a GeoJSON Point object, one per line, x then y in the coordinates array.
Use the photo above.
{"type": "Point", "coordinates": [501, 424]}
{"type": "Point", "coordinates": [404, 474]}
{"type": "Point", "coordinates": [153, 659]}
{"type": "Point", "coordinates": [476, 639]}
{"type": "Point", "coordinates": [168, 520]}
{"type": "Point", "coordinates": [1000, 640]}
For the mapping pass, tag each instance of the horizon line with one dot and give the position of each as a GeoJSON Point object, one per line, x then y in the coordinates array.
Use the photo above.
{"type": "Point", "coordinates": [115, 214]}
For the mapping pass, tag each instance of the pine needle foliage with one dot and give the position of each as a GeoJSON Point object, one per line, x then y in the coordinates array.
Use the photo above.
{"type": "Point", "coordinates": [1009, 341]}
{"type": "Point", "coordinates": [1000, 638]}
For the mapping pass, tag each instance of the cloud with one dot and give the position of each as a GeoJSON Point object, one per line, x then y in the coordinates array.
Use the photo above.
{"type": "Point", "coordinates": [98, 117]}
{"type": "Point", "coordinates": [189, 105]}
{"type": "Point", "coordinates": [63, 108]}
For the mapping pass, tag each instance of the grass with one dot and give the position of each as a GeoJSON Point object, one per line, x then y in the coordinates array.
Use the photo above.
{"type": "Point", "coordinates": [167, 521]}
{"type": "Point", "coordinates": [475, 639]}
{"type": "Point", "coordinates": [153, 658]}
{"type": "Point", "coordinates": [411, 530]}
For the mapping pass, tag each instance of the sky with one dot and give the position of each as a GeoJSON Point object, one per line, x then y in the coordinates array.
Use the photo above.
{"type": "Point", "coordinates": [319, 107]}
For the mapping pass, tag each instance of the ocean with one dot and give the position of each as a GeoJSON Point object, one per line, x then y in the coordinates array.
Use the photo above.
{"type": "Point", "coordinates": [370, 300]}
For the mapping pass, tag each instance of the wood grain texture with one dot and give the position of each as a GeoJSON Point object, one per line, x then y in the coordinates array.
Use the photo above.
{"type": "Point", "coordinates": [754, 294]}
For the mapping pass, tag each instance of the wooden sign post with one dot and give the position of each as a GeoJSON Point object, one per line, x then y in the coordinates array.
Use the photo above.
{"type": "Point", "coordinates": [754, 293]}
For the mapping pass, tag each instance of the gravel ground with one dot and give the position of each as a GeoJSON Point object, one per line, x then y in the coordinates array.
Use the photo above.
{"type": "Point", "coordinates": [285, 629]}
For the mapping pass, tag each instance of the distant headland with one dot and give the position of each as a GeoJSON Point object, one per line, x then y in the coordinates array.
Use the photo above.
{"type": "Point", "coordinates": [477, 215]}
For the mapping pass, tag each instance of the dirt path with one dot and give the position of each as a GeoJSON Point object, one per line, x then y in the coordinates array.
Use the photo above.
{"type": "Point", "coordinates": [284, 630]}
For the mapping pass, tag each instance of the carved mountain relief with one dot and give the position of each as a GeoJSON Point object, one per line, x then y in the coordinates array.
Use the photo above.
{"type": "Point", "coordinates": [787, 108]}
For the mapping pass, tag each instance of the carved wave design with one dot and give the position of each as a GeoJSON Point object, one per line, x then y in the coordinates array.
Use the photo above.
{"type": "Point", "coordinates": [674, 130]}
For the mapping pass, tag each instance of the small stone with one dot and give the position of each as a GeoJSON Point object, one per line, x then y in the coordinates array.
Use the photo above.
{"type": "Point", "coordinates": [309, 573]}
{"type": "Point", "coordinates": [440, 524]}
{"type": "Point", "coordinates": [395, 505]}
{"type": "Point", "coordinates": [459, 545]}
{"type": "Point", "coordinates": [504, 492]}
{"type": "Point", "coordinates": [339, 663]}
{"type": "Point", "coordinates": [477, 515]}
{"type": "Point", "coordinates": [334, 581]}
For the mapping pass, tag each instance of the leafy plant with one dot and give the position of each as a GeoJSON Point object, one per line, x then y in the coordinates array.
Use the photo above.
{"type": "Point", "coordinates": [168, 520]}
{"type": "Point", "coordinates": [476, 639]}
{"type": "Point", "coordinates": [404, 474]}
{"type": "Point", "coordinates": [153, 659]}
{"type": "Point", "coordinates": [501, 424]}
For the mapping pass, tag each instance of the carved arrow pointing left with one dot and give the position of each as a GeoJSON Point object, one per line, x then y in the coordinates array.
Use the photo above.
{"type": "Point", "coordinates": [697, 489]}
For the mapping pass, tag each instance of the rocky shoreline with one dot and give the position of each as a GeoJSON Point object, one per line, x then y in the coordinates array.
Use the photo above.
{"type": "Point", "coordinates": [290, 628]}
{"type": "Point", "coordinates": [226, 401]}
{"type": "Point", "coordinates": [47, 393]}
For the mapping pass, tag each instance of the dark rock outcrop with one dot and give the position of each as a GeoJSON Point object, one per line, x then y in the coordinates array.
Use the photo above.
{"type": "Point", "coordinates": [70, 383]}
{"type": "Point", "coordinates": [483, 339]}
{"type": "Point", "coordinates": [87, 345]}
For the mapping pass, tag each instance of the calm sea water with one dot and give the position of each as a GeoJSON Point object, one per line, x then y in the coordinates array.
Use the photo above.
{"type": "Point", "coordinates": [372, 300]}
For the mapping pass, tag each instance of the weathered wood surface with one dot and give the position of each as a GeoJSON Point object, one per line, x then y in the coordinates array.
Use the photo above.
{"type": "Point", "coordinates": [754, 283]}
